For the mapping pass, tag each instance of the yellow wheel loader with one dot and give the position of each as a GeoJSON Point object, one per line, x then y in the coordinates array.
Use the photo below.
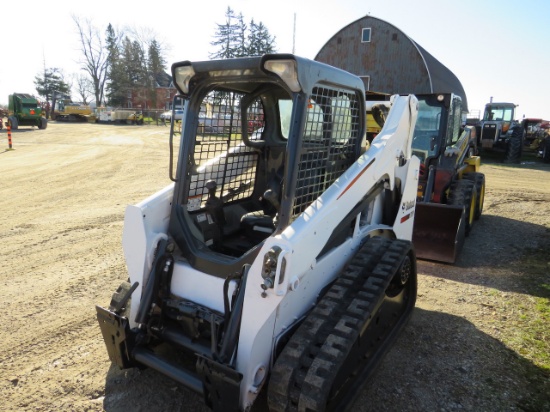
{"type": "Point", "coordinates": [451, 189]}
{"type": "Point", "coordinates": [280, 259]}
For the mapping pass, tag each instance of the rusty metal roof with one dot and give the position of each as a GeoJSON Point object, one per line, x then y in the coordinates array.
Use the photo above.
{"type": "Point", "coordinates": [390, 61]}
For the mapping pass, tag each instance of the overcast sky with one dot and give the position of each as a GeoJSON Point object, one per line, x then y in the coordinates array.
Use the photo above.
{"type": "Point", "coordinates": [496, 48]}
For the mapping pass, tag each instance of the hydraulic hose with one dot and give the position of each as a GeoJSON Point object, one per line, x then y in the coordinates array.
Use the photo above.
{"type": "Point", "coordinates": [152, 284]}
{"type": "Point", "coordinates": [232, 331]}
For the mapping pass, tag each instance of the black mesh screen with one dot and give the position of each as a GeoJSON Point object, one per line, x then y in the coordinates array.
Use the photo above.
{"type": "Point", "coordinates": [220, 154]}
{"type": "Point", "coordinates": [330, 142]}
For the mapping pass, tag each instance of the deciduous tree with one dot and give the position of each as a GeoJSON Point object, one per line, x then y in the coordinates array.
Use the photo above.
{"type": "Point", "coordinates": [94, 56]}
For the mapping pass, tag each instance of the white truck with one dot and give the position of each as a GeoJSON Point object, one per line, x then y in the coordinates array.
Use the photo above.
{"type": "Point", "coordinates": [121, 116]}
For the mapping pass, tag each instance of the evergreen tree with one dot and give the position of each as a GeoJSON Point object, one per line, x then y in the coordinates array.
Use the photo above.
{"type": "Point", "coordinates": [115, 70]}
{"type": "Point", "coordinates": [51, 83]}
{"type": "Point", "coordinates": [235, 39]}
{"type": "Point", "coordinates": [241, 36]}
{"type": "Point", "coordinates": [127, 73]}
{"type": "Point", "coordinates": [140, 79]}
{"type": "Point", "coordinates": [260, 42]}
{"type": "Point", "coordinates": [155, 61]}
{"type": "Point", "coordinates": [226, 37]}
{"type": "Point", "coordinates": [134, 59]}
{"type": "Point", "coordinates": [156, 66]}
{"type": "Point", "coordinates": [133, 69]}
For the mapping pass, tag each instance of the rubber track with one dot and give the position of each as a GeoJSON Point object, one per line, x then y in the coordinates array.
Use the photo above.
{"type": "Point", "coordinates": [303, 374]}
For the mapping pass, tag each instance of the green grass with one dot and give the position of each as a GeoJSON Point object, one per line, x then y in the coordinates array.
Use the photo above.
{"type": "Point", "coordinates": [530, 334]}
{"type": "Point", "coordinates": [494, 292]}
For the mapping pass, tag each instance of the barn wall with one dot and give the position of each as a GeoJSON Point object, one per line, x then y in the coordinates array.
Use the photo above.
{"type": "Point", "coordinates": [390, 58]}
{"type": "Point", "coordinates": [394, 62]}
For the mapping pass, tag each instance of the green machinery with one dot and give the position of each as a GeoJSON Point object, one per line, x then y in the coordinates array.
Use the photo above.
{"type": "Point", "coordinates": [24, 110]}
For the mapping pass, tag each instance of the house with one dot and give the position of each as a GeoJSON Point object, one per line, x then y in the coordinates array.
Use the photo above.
{"type": "Point", "coordinates": [164, 92]}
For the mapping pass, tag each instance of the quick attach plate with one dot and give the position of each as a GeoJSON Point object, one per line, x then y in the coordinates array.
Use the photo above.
{"type": "Point", "coordinates": [117, 336]}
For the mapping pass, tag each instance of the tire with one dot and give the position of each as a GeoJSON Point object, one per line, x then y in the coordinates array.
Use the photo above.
{"type": "Point", "coordinates": [12, 121]}
{"type": "Point", "coordinates": [514, 147]}
{"type": "Point", "coordinates": [462, 193]}
{"type": "Point", "coordinates": [344, 337]}
{"type": "Point", "coordinates": [479, 183]}
{"type": "Point", "coordinates": [546, 150]}
{"type": "Point", "coordinates": [42, 123]}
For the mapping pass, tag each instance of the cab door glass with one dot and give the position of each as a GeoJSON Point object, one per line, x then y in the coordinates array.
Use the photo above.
{"type": "Point", "coordinates": [426, 130]}
{"type": "Point", "coordinates": [285, 113]}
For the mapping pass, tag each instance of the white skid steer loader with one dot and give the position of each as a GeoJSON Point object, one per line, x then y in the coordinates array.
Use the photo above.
{"type": "Point", "coordinates": [280, 259]}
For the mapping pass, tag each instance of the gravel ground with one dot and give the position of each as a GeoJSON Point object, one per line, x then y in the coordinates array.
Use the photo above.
{"type": "Point", "coordinates": [474, 342]}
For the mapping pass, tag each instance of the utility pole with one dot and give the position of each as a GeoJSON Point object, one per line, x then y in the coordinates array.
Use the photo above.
{"type": "Point", "coordinates": [294, 36]}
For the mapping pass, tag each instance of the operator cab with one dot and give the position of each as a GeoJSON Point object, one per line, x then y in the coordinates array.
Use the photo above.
{"type": "Point", "coordinates": [234, 174]}
{"type": "Point", "coordinates": [438, 126]}
{"type": "Point", "coordinates": [257, 154]}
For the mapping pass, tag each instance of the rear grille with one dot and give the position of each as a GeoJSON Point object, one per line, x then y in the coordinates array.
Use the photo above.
{"type": "Point", "coordinates": [488, 132]}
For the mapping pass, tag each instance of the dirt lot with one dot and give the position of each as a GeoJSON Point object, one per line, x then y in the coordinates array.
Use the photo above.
{"type": "Point", "coordinates": [478, 339]}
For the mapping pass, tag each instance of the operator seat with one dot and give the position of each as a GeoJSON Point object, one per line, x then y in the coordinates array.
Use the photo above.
{"type": "Point", "coordinates": [262, 223]}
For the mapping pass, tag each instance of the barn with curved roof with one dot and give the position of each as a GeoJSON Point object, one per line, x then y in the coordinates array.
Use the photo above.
{"type": "Point", "coordinates": [388, 60]}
